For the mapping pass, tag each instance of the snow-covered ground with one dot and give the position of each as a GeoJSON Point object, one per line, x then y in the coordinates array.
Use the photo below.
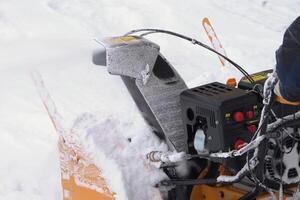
{"type": "Point", "coordinates": [55, 37]}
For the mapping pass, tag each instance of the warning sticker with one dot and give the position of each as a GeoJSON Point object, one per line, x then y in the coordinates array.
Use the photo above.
{"type": "Point", "coordinates": [123, 39]}
{"type": "Point", "coordinates": [257, 77]}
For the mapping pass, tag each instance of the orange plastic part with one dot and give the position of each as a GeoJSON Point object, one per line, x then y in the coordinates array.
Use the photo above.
{"type": "Point", "coordinates": [231, 82]}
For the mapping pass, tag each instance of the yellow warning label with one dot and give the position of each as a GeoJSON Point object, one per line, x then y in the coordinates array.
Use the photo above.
{"type": "Point", "coordinates": [257, 77]}
{"type": "Point", "coordinates": [123, 39]}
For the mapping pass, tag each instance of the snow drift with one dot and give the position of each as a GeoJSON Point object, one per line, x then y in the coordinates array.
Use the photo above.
{"type": "Point", "coordinates": [55, 36]}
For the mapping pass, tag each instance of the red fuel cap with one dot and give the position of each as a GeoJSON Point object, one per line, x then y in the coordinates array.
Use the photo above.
{"type": "Point", "coordinates": [250, 115]}
{"type": "Point", "coordinates": [238, 117]}
{"type": "Point", "coordinates": [252, 128]}
{"type": "Point", "coordinates": [238, 144]}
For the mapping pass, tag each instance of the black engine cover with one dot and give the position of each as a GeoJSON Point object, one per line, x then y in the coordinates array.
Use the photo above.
{"type": "Point", "coordinates": [227, 115]}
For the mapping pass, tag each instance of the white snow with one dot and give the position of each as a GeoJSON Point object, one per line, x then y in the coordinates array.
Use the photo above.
{"type": "Point", "coordinates": [122, 162]}
{"type": "Point", "coordinates": [55, 37]}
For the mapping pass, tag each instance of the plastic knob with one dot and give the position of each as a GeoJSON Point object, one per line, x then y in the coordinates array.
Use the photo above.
{"type": "Point", "coordinates": [238, 144]}
{"type": "Point", "coordinates": [238, 117]}
{"type": "Point", "coordinates": [252, 128]}
{"type": "Point", "coordinates": [250, 115]}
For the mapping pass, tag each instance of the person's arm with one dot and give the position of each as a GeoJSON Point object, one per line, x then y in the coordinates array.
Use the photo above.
{"type": "Point", "coordinates": [288, 63]}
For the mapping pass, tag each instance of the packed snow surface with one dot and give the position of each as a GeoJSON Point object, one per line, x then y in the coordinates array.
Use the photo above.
{"type": "Point", "coordinates": [56, 38]}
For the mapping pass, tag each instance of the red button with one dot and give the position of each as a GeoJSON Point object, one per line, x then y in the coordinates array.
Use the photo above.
{"type": "Point", "coordinates": [252, 128]}
{"type": "Point", "coordinates": [238, 117]}
{"type": "Point", "coordinates": [250, 115]}
{"type": "Point", "coordinates": [238, 144]}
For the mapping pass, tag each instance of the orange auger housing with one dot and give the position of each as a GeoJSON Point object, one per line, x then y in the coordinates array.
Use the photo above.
{"type": "Point", "coordinates": [80, 178]}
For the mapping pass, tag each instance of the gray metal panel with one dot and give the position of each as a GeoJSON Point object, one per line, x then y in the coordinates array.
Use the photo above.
{"type": "Point", "coordinates": [130, 58]}
{"type": "Point", "coordinates": [164, 102]}
{"type": "Point", "coordinates": [135, 57]}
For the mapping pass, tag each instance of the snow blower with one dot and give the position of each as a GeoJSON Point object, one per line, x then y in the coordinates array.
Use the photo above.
{"type": "Point", "coordinates": [237, 141]}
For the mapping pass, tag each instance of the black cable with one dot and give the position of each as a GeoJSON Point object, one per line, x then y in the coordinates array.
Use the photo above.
{"type": "Point", "coordinates": [256, 180]}
{"type": "Point", "coordinates": [285, 123]}
{"type": "Point", "coordinates": [194, 41]}
{"type": "Point", "coordinates": [186, 182]}
{"type": "Point", "coordinates": [267, 109]}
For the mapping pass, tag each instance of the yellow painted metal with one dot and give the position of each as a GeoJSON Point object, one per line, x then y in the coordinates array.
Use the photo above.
{"type": "Point", "coordinates": [205, 192]}
{"type": "Point", "coordinates": [123, 39]}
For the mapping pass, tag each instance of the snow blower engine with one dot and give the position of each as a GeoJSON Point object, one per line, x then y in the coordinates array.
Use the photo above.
{"type": "Point", "coordinates": [235, 142]}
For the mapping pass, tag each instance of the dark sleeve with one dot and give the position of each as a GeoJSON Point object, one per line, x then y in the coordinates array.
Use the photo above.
{"type": "Point", "coordinates": [288, 62]}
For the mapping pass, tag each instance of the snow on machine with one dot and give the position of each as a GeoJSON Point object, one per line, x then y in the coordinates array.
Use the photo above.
{"type": "Point", "coordinates": [234, 141]}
